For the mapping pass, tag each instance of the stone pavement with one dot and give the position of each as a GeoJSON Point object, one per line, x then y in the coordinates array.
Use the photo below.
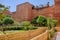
{"type": "Point", "coordinates": [58, 36]}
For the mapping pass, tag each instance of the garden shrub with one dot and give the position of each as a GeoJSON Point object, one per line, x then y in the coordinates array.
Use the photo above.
{"type": "Point", "coordinates": [7, 21]}
{"type": "Point", "coordinates": [40, 20]}
{"type": "Point", "coordinates": [34, 20]}
{"type": "Point", "coordinates": [12, 28]}
{"type": "Point", "coordinates": [31, 27]}
{"type": "Point", "coordinates": [1, 22]}
{"type": "Point", "coordinates": [5, 16]}
{"type": "Point", "coordinates": [55, 22]}
{"type": "Point", "coordinates": [16, 23]}
{"type": "Point", "coordinates": [51, 34]}
{"type": "Point", "coordinates": [19, 28]}
{"type": "Point", "coordinates": [26, 25]}
{"type": "Point", "coordinates": [51, 23]}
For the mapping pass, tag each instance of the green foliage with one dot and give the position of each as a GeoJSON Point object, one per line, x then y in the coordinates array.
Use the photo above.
{"type": "Point", "coordinates": [51, 34]}
{"type": "Point", "coordinates": [16, 23]}
{"type": "Point", "coordinates": [31, 27]}
{"type": "Point", "coordinates": [8, 21]}
{"type": "Point", "coordinates": [1, 16]}
{"type": "Point", "coordinates": [51, 23]}
{"type": "Point", "coordinates": [1, 22]}
{"type": "Point", "coordinates": [1, 6]}
{"type": "Point", "coordinates": [55, 22]}
{"type": "Point", "coordinates": [43, 21]}
{"type": "Point", "coordinates": [12, 28]}
{"type": "Point", "coordinates": [40, 20]}
{"type": "Point", "coordinates": [26, 25]}
{"type": "Point", "coordinates": [34, 20]}
{"type": "Point", "coordinates": [5, 16]}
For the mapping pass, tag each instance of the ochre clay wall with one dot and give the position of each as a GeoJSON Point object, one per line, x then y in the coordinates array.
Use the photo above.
{"type": "Point", "coordinates": [24, 12]}
{"type": "Point", "coordinates": [57, 28]}
{"type": "Point", "coordinates": [57, 10]}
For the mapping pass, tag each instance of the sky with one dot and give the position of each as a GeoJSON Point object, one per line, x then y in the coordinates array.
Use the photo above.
{"type": "Point", "coordinates": [13, 3]}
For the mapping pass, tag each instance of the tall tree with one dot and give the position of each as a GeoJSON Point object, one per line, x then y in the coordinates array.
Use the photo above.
{"type": "Point", "coordinates": [2, 9]}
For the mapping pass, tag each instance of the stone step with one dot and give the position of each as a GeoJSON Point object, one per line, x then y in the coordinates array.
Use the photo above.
{"type": "Point", "coordinates": [58, 36]}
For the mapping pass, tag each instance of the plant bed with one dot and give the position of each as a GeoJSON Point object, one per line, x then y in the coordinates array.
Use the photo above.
{"type": "Point", "coordinates": [23, 35]}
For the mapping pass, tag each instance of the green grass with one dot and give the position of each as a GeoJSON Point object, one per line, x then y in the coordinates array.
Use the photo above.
{"type": "Point", "coordinates": [12, 31]}
{"type": "Point", "coordinates": [1, 32]}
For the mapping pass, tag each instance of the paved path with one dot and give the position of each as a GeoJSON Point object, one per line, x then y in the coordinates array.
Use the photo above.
{"type": "Point", "coordinates": [38, 37]}
{"type": "Point", "coordinates": [58, 36]}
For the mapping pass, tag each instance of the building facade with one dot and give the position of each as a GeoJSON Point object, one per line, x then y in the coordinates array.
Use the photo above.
{"type": "Point", "coordinates": [27, 12]}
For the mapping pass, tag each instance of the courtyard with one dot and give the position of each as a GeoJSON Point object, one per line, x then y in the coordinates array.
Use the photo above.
{"type": "Point", "coordinates": [30, 20]}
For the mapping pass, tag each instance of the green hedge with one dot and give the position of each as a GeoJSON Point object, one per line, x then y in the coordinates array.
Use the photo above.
{"type": "Point", "coordinates": [12, 28]}
{"type": "Point", "coordinates": [18, 28]}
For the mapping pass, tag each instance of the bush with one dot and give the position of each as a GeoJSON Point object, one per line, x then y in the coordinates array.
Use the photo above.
{"type": "Point", "coordinates": [1, 22]}
{"type": "Point", "coordinates": [51, 23]}
{"type": "Point", "coordinates": [5, 16]}
{"type": "Point", "coordinates": [43, 21]}
{"type": "Point", "coordinates": [12, 28]}
{"type": "Point", "coordinates": [40, 20]}
{"type": "Point", "coordinates": [8, 21]}
{"type": "Point", "coordinates": [34, 20]}
{"type": "Point", "coordinates": [5, 19]}
{"type": "Point", "coordinates": [51, 34]}
{"type": "Point", "coordinates": [31, 27]}
{"type": "Point", "coordinates": [26, 25]}
{"type": "Point", "coordinates": [19, 28]}
{"type": "Point", "coordinates": [55, 22]}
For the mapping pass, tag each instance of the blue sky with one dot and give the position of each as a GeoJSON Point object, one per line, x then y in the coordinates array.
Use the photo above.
{"type": "Point", "coordinates": [13, 3]}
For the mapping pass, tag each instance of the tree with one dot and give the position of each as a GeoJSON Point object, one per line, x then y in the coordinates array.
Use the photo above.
{"type": "Point", "coordinates": [40, 20]}
{"type": "Point", "coordinates": [26, 25]}
{"type": "Point", "coordinates": [55, 22]}
{"type": "Point", "coordinates": [34, 20]}
{"type": "Point", "coordinates": [51, 23]}
{"type": "Point", "coordinates": [1, 6]}
{"type": "Point", "coordinates": [2, 9]}
{"type": "Point", "coordinates": [7, 21]}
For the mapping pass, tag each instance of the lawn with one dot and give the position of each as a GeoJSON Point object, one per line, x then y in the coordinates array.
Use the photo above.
{"type": "Point", "coordinates": [12, 31]}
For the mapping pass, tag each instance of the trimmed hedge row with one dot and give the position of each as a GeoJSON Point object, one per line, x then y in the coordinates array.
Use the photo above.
{"type": "Point", "coordinates": [17, 28]}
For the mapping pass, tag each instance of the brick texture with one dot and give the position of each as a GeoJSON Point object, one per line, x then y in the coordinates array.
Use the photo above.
{"type": "Point", "coordinates": [24, 12]}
